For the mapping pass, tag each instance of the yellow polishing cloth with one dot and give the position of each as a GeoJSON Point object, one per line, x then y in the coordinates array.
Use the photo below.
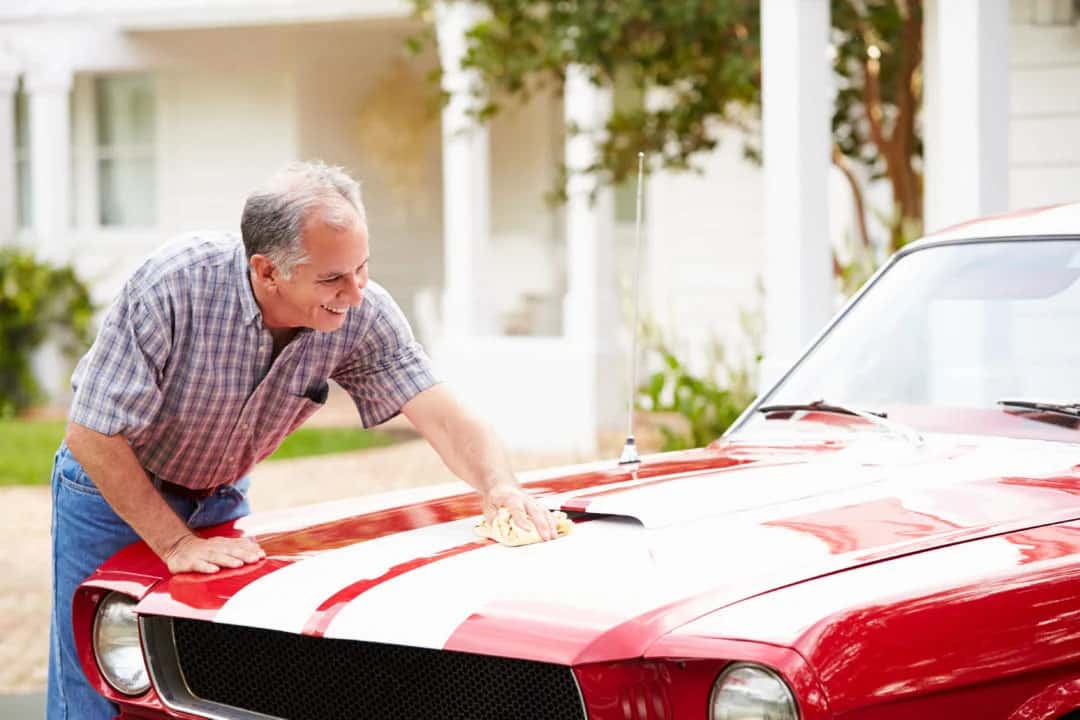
{"type": "Point", "coordinates": [503, 528]}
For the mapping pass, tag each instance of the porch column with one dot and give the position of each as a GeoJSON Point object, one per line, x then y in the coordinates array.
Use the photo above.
{"type": "Point", "coordinates": [9, 80]}
{"type": "Point", "coordinates": [50, 159]}
{"type": "Point", "coordinates": [795, 143]}
{"type": "Point", "coordinates": [966, 76]}
{"type": "Point", "coordinates": [466, 173]}
{"type": "Point", "coordinates": [590, 312]}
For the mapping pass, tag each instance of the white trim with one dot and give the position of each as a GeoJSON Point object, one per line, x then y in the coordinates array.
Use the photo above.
{"type": "Point", "coordinates": [796, 146]}
{"type": "Point", "coordinates": [176, 14]}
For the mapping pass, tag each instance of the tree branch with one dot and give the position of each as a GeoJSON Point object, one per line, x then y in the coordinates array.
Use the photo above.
{"type": "Point", "coordinates": [872, 98]}
{"type": "Point", "coordinates": [856, 193]}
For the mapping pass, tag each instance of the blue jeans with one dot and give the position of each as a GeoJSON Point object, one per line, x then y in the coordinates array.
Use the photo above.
{"type": "Point", "coordinates": [85, 533]}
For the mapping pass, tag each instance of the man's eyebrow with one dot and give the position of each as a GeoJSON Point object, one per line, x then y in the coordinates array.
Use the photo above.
{"type": "Point", "coordinates": [339, 273]}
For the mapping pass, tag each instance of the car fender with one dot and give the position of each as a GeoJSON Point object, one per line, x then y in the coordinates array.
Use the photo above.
{"type": "Point", "coordinates": [1052, 702]}
{"type": "Point", "coordinates": [792, 667]}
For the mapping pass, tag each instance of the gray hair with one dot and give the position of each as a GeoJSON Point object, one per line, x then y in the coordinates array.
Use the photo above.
{"type": "Point", "coordinates": [275, 213]}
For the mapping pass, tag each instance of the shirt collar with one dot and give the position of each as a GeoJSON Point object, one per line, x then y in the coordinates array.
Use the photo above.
{"type": "Point", "coordinates": [252, 313]}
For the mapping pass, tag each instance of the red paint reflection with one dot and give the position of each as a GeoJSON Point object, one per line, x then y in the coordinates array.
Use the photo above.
{"type": "Point", "coordinates": [866, 525]}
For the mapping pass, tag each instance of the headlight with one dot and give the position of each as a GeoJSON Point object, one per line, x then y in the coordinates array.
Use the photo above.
{"type": "Point", "coordinates": [116, 645]}
{"type": "Point", "coordinates": [751, 692]}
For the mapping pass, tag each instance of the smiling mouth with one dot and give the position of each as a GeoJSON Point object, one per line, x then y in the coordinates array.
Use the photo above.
{"type": "Point", "coordinates": [335, 310]}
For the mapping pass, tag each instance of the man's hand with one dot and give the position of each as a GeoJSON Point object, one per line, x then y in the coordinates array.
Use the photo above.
{"type": "Point", "coordinates": [470, 449]}
{"type": "Point", "coordinates": [192, 553]}
{"type": "Point", "coordinates": [525, 511]}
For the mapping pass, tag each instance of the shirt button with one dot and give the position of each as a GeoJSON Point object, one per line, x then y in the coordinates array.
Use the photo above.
{"type": "Point", "coordinates": [231, 458]}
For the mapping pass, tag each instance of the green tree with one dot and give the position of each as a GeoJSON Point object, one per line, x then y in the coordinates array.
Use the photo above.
{"type": "Point", "coordinates": [704, 55]}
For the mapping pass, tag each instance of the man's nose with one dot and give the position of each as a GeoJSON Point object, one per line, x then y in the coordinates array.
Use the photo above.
{"type": "Point", "coordinates": [354, 291]}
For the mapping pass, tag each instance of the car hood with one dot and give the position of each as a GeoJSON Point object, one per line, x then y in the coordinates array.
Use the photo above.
{"type": "Point", "coordinates": [653, 548]}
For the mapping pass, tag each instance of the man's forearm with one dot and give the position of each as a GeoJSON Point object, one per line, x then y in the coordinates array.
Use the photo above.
{"type": "Point", "coordinates": [468, 446]}
{"type": "Point", "coordinates": [471, 450]}
{"type": "Point", "coordinates": [474, 454]}
{"type": "Point", "coordinates": [112, 465]}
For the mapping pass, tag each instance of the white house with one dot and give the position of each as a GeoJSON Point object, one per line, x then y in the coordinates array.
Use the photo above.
{"type": "Point", "coordinates": [124, 122]}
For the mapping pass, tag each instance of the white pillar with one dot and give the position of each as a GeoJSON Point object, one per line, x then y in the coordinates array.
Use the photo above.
{"type": "Point", "coordinates": [796, 144]}
{"type": "Point", "coordinates": [84, 166]}
{"type": "Point", "coordinates": [466, 173]}
{"type": "Point", "coordinates": [966, 70]}
{"type": "Point", "coordinates": [50, 160]}
{"type": "Point", "coordinates": [589, 213]}
{"type": "Point", "coordinates": [591, 309]}
{"type": "Point", "coordinates": [9, 79]}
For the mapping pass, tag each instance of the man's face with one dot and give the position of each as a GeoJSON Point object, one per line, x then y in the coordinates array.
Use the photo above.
{"type": "Point", "coordinates": [320, 291]}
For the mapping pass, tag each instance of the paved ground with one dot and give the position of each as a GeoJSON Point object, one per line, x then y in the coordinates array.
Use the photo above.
{"type": "Point", "coordinates": [24, 534]}
{"type": "Point", "coordinates": [26, 706]}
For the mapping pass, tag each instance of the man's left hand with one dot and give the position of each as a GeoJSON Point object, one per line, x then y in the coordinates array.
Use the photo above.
{"type": "Point", "coordinates": [526, 511]}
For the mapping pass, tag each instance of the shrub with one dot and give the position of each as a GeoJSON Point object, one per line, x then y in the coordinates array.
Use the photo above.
{"type": "Point", "coordinates": [37, 302]}
{"type": "Point", "coordinates": [709, 402]}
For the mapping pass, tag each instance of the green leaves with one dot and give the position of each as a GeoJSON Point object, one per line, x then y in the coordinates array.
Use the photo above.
{"type": "Point", "coordinates": [36, 301]}
{"type": "Point", "coordinates": [703, 55]}
{"type": "Point", "coordinates": [707, 403]}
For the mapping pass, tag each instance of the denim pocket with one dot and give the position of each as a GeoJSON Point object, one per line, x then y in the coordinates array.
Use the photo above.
{"type": "Point", "coordinates": [229, 502]}
{"type": "Point", "coordinates": [72, 476]}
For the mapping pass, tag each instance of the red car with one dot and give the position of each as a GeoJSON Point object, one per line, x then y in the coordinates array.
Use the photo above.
{"type": "Point", "coordinates": [891, 531]}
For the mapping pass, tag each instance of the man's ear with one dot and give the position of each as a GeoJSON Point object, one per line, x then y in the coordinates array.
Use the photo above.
{"type": "Point", "coordinates": [263, 271]}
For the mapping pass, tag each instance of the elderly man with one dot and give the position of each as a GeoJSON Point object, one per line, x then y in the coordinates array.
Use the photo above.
{"type": "Point", "coordinates": [215, 350]}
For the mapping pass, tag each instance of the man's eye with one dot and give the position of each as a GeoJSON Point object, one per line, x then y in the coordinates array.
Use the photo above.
{"type": "Point", "coordinates": [327, 281]}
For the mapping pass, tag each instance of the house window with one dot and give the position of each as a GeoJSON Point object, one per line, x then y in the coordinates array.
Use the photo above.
{"type": "Point", "coordinates": [22, 161]}
{"type": "Point", "coordinates": [125, 114]}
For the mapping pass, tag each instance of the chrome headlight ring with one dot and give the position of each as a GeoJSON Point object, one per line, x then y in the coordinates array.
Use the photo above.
{"type": "Point", "coordinates": [748, 691]}
{"type": "Point", "coordinates": [117, 650]}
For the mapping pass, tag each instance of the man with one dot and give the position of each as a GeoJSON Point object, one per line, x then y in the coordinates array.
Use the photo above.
{"type": "Point", "coordinates": [214, 352]}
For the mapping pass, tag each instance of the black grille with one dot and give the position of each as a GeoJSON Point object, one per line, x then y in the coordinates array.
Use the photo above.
{"type": "Point", "coordinates": [300, 678]}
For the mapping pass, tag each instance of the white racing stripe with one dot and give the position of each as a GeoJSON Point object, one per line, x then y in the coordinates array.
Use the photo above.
{"type": "Point", "coordinates": [424, 607]}
{"type": "Point", "coordinates": [605, 568]}
{"type": "Point", "coordinates": [287, 598]}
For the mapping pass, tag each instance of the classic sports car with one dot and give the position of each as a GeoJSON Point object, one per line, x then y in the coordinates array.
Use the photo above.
{"type": "Point", "coordinates": [891, 531]}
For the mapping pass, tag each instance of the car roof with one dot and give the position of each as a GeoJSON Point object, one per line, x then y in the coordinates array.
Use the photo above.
{"type": "Point", "coordinates": [1034, 223]}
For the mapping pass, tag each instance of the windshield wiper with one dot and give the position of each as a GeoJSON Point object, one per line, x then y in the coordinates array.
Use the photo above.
{"type": "Point", "coordinates": [1069, 410]}
{"type": "Point", "coordinates": [877, 418]}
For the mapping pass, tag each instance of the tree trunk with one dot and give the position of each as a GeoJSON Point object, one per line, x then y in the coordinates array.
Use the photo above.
{"type": "Point", "coordinates": [898, 146]}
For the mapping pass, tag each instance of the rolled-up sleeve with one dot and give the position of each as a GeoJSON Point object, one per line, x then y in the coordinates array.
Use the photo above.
{"type": "Point", "coordinates": [118, 383]}
{"type": "Point", "coordinates": [387, 368]}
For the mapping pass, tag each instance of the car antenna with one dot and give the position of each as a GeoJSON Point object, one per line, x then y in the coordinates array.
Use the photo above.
{"type": "Point", "coordinates": [629, 452]}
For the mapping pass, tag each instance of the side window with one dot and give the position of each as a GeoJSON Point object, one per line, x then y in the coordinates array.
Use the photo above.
{"type": "Point", "coordinates": [125, 119]}
{"type": "Point", "coordinates": [22, 160]}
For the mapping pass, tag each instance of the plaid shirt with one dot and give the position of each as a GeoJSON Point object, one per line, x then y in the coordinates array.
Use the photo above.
{"type": "Point", "coordinates": [183, 366]}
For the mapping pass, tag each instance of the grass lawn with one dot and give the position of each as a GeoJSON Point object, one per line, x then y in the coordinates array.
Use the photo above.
{"type": "Point", "coordinates": [26, 450]}
{"type": "Point", "coordinates": [323, 441]}
{"type": "Point", "coordinates": [27, 447]}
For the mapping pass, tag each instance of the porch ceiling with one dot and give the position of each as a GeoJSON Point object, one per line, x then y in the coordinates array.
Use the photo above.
{"type": "Point", "coordinates": [185, 14]}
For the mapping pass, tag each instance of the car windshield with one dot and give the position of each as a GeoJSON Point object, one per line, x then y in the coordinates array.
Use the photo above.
{"type": "Point", "coordinates": [946, 333]}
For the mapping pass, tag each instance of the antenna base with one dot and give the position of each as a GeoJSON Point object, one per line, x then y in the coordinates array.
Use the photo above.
{"type": "Point", "coordinates": [629, 453]}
